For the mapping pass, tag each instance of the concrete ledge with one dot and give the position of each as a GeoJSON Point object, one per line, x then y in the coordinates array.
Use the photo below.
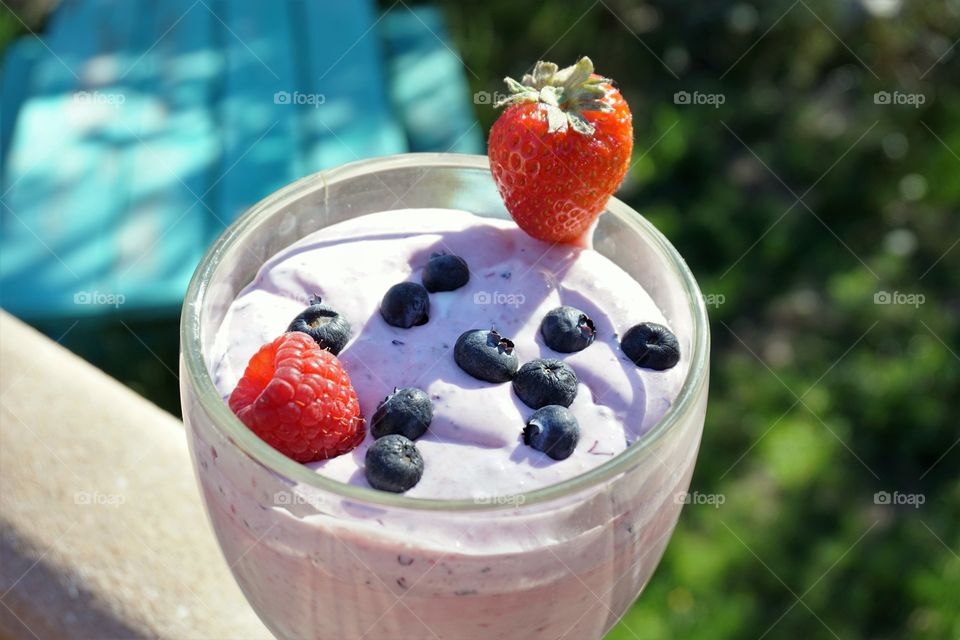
{"type": "Point", "coordinates": [103, 533]}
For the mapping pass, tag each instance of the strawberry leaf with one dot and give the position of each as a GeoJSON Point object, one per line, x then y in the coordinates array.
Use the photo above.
{"type": "Point", "coordinates": [564, 94]}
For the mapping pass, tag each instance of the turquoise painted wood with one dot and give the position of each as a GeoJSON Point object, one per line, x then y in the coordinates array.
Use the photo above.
{"type": "Point", "coordinates": [260, 131]}
{"type": "Point", "coordinates": [355, 120]}
{"type": "Point", "coordinates": [63, 187]}
{"type": "Point", "coordinates": [18, 61]}
{"type": "Point", "coordinates": [172, 113]}
{"type": "Point", "coordinates": [151, 126]}
{"type": "Point", "coordinates": [427, 82]}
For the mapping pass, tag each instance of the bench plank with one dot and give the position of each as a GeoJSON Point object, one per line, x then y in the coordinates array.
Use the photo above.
{"type": "Point", "coordinates": [173, 77]}
{"type": "Point", "coordinates": [147, 127]}
{"type": "Point", "coordinates": [64, 165]}
{"type": "Point", "coordinates": [342, 61]}
{"type": "Point", "coordinates": [427, 82]}
{"type": "Point", "coordinates": [259, 124]}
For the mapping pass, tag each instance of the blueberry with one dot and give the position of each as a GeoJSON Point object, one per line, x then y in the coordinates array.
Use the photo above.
{"type": "Point", "coordinates": [406, 411]}
{"type": "Point", "coordinates": [651, 345]}
{"type": "Point", "coordinates": [393, 464]}
{"type": "Point", "coordinates": [542, 382]}
{"type": "Point", "coordinates": [566, 329]}
{"type": "Point", "coordinates": [327, 327]}
{"type": "Point", "coordinates": [553, 430]}
{"type": "Point", "coordinates": [486, 355]}
{"type": "Point", "coordinates": [406, 305]}
{"type": "Point", "coordinates": [445, 272]}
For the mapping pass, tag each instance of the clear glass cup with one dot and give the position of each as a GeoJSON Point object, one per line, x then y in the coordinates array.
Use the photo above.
{"type": "Point", "coordinates": [321, 559]}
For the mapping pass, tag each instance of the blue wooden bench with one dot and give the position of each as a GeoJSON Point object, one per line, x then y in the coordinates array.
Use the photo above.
{"type": "Point", "coordinates": [134, 132]}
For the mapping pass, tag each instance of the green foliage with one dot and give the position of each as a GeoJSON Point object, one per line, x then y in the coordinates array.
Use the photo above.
{"type": "Point", "coordinates": [819, 396]}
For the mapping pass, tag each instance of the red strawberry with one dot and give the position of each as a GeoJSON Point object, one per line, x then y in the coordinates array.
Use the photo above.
{"type": "Point", "coordinates": [560, 149]}
{"type": "Point", "coordinates": [298, 398]}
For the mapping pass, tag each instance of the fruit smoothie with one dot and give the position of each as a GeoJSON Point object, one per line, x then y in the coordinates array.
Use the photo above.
{"type": "Point", "coordinates": [317, 566]}
{"type": "Point", "coordinates": [438, 424]}
{"type": "Point", "coordinates": [473, 447]}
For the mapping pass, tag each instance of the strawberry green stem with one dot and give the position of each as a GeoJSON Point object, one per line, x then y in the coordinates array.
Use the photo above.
{"type": "Point", "coordinates": [565, 94]}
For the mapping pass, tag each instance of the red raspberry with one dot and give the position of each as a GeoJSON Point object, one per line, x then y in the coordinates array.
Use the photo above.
{"type": "Point", "coordinates": [298, 398]}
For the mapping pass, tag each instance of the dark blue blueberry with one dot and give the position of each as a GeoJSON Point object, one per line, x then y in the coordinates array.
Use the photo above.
{"type": "Point", "coordinates": [406, 305]}
{"type": "Point", "coordinates": [327, 327]}
{"type": "Point", "coordinates": [486, 355]}
{"type": "Point", "coordinates": [406, 411]}
{"type": "Point", "coordinates": [566, 329]}
{"type": "Point", "coordinates": [553, 430]}
{"type": "Point", "coordinates": [542, 382]}
{"type": "Point", "coordinates": [393, 464]}
{"type": "Point", "coordinates": [651, 345]}
{"type": "Point", "coordinates": [445, 272]}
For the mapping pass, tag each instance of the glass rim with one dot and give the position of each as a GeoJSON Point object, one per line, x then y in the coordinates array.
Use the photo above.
{"type": "Point", "coordinates": [223, 419]}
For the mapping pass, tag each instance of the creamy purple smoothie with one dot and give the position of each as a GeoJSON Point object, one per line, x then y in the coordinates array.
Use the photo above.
{"type": "Point", "coordinates": [318, 562]}
{"type": "Point", "coordinates": [474, 447]}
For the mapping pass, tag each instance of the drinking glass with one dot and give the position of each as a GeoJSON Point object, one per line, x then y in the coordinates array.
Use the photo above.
{"type": "Point", "coordinates": [317, 558]}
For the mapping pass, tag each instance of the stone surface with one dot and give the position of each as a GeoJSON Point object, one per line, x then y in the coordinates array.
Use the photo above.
{"type": "Point", "coordinates": [103, 531]}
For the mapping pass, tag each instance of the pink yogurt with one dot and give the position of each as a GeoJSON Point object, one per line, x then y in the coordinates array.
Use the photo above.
{"type": "Point", "coordinates": [317, 565]}
{"type": "Point", "coordinates": [474, 447]}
